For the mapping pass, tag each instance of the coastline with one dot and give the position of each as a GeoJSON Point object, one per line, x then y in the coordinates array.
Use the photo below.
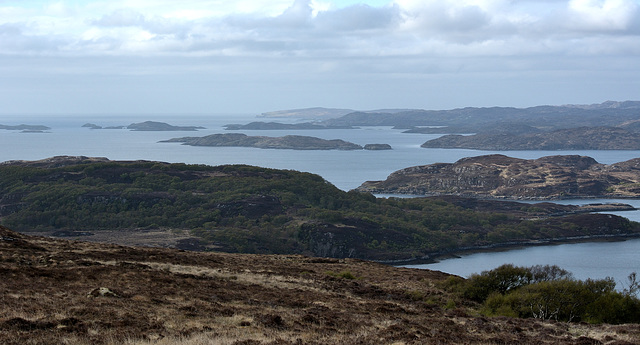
{"type": "Point", "coordinates": [506, 246]}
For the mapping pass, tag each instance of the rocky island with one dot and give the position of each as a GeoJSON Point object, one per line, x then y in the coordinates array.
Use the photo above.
{"type": "Point", "coordinates": [377, 147]}
{"type": "Point", "coordinates": [160, 126]}
{"type": "Point", "coordinates": [582, 138]}
{"type": "Point", "coordinates": [291, 142]}
{"type": "Point", "coordinates": [147, 126]}
{"type": "Point", "coordinates": [26, 128]}
{"type": "Point", "coordinates": [499, 176]}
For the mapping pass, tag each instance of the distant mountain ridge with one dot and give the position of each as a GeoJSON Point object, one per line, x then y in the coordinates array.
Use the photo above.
{"type": "Point", "coordinates": [542, 117]}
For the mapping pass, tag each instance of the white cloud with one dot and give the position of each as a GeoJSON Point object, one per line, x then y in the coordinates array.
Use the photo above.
{"type": "Point", "coordinates": [326, 40]}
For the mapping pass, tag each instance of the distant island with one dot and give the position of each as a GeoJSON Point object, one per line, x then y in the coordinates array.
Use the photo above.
{"type": "Point", "coordinates": [292, 142]}
{"type": "Point", "coordinates": [319, 113]}
{"type": "Point", "coordinates": [377, 147]}
{"type": "Point", "coordinates": [147, 126]}
{"type": "Point", "coordinates": [582, 138]}
{"type": "Point", "coordinates": [499, 176]}
{"type": "Point", "coordinates": [308, 113]}
{"type": "Point", "coordinates": [26, 128]}
{"type": "Point", "coordinates": [280, 126]}
{"type": "Point", "coordinates": [469, 120]}
{"type": "Point", "coordinates": [94, 126]}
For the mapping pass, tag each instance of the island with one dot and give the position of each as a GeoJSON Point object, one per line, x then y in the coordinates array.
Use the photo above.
{"type": "Point", "coordinates": [147, 126]}
{"type": "Point", "coordinates": [377, 147]}
{"type": "Point", "coordinates": [26, 128]}
{"type": "Point", "coordinates": [160, 126]}
{"type": "Point", "coordinates": [292, 142]}
{"type": "Point", "coordinates": [94, 126]}
{"type": "Point", "coordinates": [499, 176]}
{"type": "Point", "coordinates": [581, 138]}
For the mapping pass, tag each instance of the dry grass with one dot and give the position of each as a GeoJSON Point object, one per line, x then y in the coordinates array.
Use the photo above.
{"type": "Point", "coordinates": [50, 294]}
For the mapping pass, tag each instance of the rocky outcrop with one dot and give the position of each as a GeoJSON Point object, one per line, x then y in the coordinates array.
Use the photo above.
{"type": "Point", "coordinates": [499, 176]}
{"type": "Point", "coordinates": [292, 142]}
{"type": "Point", "coordinates": [583, 138]}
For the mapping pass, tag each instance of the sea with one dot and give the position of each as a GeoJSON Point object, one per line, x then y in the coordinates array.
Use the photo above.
{"type": "Point", "coordinates": [344, 169]}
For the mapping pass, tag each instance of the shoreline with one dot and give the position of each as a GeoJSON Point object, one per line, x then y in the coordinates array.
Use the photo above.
{"type": "Point", "coordinates": [506, 246]}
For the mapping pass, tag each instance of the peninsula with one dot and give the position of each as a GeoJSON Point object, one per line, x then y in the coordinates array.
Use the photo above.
{"type": "Point", "coordinates": [499, 176]}
{"type": "Point", "coordinates": [291, 142]}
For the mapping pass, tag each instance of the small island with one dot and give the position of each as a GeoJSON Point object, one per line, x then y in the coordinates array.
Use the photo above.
{"type": "Point", "coordinates": [94, 126]}
{"type": "Point", "coordinates": [147, 126]}
{"type": "Point", "coordinates": [292, 142]}
{"type": "Point", "coordinates": [499, 176]}
{"type": "Point", "coordinates": [26, 128]}
{"type": "Point", "coordinates": [160, 126]}
{"type": "Point", "coordinates": [377, 147]}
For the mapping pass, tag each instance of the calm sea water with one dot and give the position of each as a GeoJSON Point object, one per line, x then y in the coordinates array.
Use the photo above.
{"type": "Point", "coordinates": [344, 169]}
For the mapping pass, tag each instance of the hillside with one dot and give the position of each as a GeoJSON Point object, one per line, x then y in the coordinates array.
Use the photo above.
{"type": "Point", "coordinates": [67, 292]}
{"type": "Point", "coordinates": [258, 210]}
{"type": "Point", "coordinates": [581, 138]}
{"type": "Point", "coordinates": [499, 176]}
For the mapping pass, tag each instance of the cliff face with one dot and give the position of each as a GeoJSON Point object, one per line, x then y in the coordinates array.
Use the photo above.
{"type": "Point", "coordinates": [552, 177]}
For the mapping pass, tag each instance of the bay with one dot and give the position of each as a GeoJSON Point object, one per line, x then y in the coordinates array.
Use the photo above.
{"type": "Point", "coordinates": [595, 260]}
{"type": "Point", "coordinates": [345, 169]}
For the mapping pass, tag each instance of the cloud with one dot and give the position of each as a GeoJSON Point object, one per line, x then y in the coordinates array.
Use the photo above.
{"type": "Point", "coordinates": [304, 27]}
{"type": "Point", "coordinates": [119, 18]}
{"type": "Point", "coordinates": [603, 15]}
{"type": "Point", "coordinates": [359, 17]}
{"type": "Point", "coordinates": [351, 48]}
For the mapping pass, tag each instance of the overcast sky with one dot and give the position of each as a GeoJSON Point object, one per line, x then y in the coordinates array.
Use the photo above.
{"type": "Point", "coordinates": [252, 56]}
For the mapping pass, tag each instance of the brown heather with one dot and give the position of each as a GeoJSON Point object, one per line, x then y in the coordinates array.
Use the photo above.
{"type": "Point", "coordinates": [66, 292]}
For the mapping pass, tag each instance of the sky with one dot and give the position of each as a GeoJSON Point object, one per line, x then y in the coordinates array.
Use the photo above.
{"type": "Point", "coordinates": [254, 56]}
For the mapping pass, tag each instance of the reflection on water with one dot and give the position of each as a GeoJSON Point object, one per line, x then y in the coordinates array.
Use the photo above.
{"type": "Point", "coordinates": [594, 260]}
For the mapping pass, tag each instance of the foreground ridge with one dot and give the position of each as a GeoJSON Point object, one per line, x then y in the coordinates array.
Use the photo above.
{"type": "Point", "coordinates": [58, 291]}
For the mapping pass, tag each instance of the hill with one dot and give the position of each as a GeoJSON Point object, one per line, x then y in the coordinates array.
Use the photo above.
{"type": "Point", "coordinates": [56, 292]}
{"type": "Point", "coordinates": [258, 210]}
{"type": "Point", "coordinates": [472, 120]}
{"type": "Point", "coordinates": [499, 176]}
{"type": "Point", "coordinates": [581, 138]}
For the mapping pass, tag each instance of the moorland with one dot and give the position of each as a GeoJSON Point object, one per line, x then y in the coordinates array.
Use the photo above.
{"type": "Point", "coordinates": [68, 292]}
